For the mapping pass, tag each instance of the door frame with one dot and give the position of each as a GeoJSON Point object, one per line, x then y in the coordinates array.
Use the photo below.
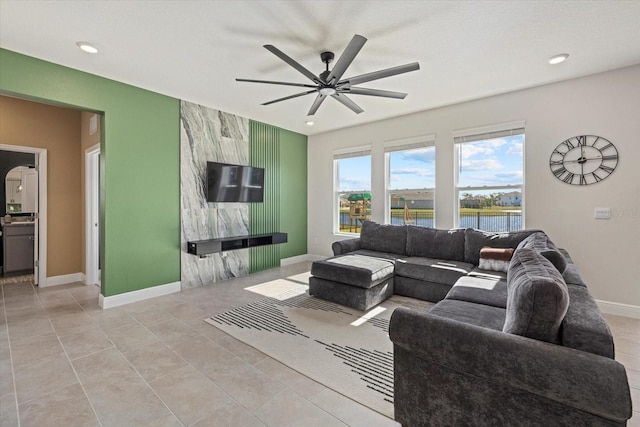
{"type": "Point", "coordinates": [40, 237]}
{"type": "Point", "coordinates": [92, 211]}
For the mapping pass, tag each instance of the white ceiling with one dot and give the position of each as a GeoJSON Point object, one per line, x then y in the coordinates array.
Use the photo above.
{"type": "Point", "coordinates": [194, 50]}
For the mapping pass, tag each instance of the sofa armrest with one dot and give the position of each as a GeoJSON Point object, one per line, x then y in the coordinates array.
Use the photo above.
{"type": "Point", "coordinates": [345, 246]}
{"type": "Point", "coordinates": [581, 380]}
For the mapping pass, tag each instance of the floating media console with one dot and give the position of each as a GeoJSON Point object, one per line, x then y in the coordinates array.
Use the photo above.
{"type": "Point", "coordinates": [211, 246]}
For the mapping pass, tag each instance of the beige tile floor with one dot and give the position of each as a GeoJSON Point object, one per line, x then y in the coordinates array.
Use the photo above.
{"type": "Point", "coordinates": [66, 362]}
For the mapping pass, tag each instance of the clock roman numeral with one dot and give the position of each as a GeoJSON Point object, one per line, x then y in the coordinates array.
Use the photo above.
{"type": "Point", "coordinates": [606, 146]}
{"type": "Point", "coordinates": [596, 177]}
{"type": "Point", "coordinates": [582, 140]}
{"type": "Point", "coordinates": [583, 180]}
{"type": "Point", "coordinates": [569, 145]}
{"type": "Point", "coordinates": [569, 178]}
{"type": "Point", "coordinates": [594, 142]}
{"type": "Point", "coordinates": [559, 172]}
{"type": "Point", "coordinates": [611, 157]}
{"type": "Point", "coordinates": [606, 168]}
{"type": "Point", "coordinates": [555, 162]}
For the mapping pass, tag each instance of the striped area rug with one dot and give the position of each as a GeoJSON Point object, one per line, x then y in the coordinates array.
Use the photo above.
{"type": "Point", "coordinates": [344, 349]}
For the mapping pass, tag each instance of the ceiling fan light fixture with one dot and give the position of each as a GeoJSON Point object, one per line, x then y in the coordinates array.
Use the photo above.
{"type": "Point", "coordinates": [87, 47]}
{"type": "Point", "coordinates": [327, 91]}
{"type": "Point", "coordinates": [556, 59]}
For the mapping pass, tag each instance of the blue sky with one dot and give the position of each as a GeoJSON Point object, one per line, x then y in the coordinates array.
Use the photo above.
{"type": "Point", "coordinates": [493, 162]}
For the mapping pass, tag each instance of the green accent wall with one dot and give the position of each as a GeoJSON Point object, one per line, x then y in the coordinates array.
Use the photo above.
{"type": "Point", "coordinates": [283, 154]}
{"type": "Point", "coordinates": [293, 192]}
{"type": "Point", "coordinates": [140, 227]}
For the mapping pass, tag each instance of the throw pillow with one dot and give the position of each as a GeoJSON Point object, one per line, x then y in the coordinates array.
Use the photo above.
{"type": "Point", "coordinates": [495, 259]}
{"type": "Point", "coordinates": [541, 243]}
{"type": "Point", "coordinates": [474, 240]}
{"type": "Point", "coordinates": [433, 243]}
{"type": "Point", "coordinates": [383, 237]}
{"type": "Point", "coordinates": [537, 297]}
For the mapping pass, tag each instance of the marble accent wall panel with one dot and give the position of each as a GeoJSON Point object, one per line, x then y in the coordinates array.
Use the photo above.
{"type": "Point", "coordinates": [210, 135]}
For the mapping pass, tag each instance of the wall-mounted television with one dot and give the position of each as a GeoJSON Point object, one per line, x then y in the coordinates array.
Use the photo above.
{"type": "Point", "coordinates": [234, 183]}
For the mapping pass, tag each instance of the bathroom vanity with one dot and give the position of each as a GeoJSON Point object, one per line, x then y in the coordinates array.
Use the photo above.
{"type": "Point", "coordinates": [18, 242]}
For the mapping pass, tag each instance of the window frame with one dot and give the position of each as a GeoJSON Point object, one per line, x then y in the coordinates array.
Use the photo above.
{"type": "Point", "coordinates": [424, 141]}
{"type": "Point", "coordinates": [360, 151]}
{"type": "Point", "coordinates": [484, 134]}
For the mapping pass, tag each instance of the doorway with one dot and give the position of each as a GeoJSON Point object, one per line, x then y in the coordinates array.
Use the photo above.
{"type": "Point", "coordinates": [39, 210]}
{"type": "Point", "coordinates": [92, 212]}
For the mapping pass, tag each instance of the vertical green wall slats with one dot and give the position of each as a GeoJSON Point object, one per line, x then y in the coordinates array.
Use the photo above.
{"type": "Point", "coordinates": [264, 152]}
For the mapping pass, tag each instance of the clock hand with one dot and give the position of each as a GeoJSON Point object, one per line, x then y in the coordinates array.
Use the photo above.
{"type": "Point", "coordinates": [582, 160]}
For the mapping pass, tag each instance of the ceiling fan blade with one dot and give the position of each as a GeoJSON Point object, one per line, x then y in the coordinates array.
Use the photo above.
{"type": "Point", "coordinates": [289, 97]}
{"type": "Point", "coordinates": [316, 104]}
{"type": "Point", "coordinates": [346, 58]}
{"type": "Point", "coordinates": [280, 54]}
{"type": "Point", "coordinates": [400, 69]}
{"type": "Point", "coordinates": [275, 83]}
{"type": "Point", "coordinates": [342, 98]}
{"type": "Point", "coordinates": [372, 92]}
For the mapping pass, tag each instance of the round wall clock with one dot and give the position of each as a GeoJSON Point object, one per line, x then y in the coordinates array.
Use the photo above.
{"type": "Point", "coordinates": [584, 160]}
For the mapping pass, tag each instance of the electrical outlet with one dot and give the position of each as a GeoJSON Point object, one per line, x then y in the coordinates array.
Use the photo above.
{"type": "Point", "coordinates": [602, 213]}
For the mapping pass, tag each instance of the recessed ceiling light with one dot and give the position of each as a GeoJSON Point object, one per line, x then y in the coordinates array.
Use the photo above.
{"type": "Point", "coordinates": [87, 47]}
{"type": "Point", "coordinates": [309, 122]}
{"type": "Point", "coordinates": [556, 59]}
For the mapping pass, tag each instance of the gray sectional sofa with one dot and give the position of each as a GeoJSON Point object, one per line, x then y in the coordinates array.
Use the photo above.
{"type": "Point", "coordinates": [528, 346]}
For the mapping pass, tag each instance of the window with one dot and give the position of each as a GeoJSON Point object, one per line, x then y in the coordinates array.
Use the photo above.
{"type": "Point", "coordinates": [489, 181]}
{"type": "Point", "coordinates": [410, 184]}
{"type": "Point", "coordinates": [352, 190]}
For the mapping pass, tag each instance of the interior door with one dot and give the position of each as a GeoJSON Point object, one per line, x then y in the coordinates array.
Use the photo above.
{"type": "Point", "coordinates": [30, 198]}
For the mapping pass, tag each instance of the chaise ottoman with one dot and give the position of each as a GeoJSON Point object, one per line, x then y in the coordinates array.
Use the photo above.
{"type": "Point", "coordinates": [356, 281]}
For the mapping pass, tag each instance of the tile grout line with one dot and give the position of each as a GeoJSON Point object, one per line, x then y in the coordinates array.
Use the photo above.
{"type": "Point", "coordinates": [13, 374]}
{"type": "Point", "coordinates": [69, 360]}
{"type": "Point", "coordinates": [196, 369]}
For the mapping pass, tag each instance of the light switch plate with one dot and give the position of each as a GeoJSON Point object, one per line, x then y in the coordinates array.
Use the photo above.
{"type": "Point", "coordinates": [602, 213]}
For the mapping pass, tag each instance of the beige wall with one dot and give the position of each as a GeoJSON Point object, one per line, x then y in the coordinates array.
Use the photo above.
{"type": "Point", "coordinates": [607, 104]}
{"type": "Point", "coordinates": [87, 140]}
{"type": "Point", "coordinates": [57, 130]}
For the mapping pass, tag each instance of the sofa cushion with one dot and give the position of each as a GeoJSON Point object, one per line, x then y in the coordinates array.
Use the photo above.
{"type": "Point", "coordinates": [355, 270]}
{"type": "Point", "coordinates": [541, 243]}
{"type": "Point", "coordinates": [434, 243]}
{"type": "Point", "coordinates": [474, 240]}
{"type": "Point", "coordinates": [584, 327]}
{"type": "Point", "coordinates": [480, 290]}
{"type": "Point", "coordinates": [537, 297]}
{"type": "Point", "coordinates": [375, 254]}
{"type": "Point", "coordinates": [481, 315]}
{"type": "Point", "coordinates": [432, 270]}
{"type": "Point", "coordinates": [383, 237]}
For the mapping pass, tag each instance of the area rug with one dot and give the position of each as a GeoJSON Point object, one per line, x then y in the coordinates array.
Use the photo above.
{"type": "Point", "coordinates": [346, 350]}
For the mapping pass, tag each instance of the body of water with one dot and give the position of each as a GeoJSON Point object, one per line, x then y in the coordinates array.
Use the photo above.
{"type": "Point", "coordinates": [508, 221]}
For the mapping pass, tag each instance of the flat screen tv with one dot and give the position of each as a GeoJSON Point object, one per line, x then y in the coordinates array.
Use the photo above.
{"type": "Point", "coordinates": [234, 183]}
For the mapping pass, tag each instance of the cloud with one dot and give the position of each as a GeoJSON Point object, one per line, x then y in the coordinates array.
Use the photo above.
{"type": "Point", "coordinates": [412, 171]}
{"type": "Point", "coordinates": [509, 175]}
{"type": "Point", "coordinates": [353, 184]}
{"type": "Point", "coordinates": [486, 148]}
{"type": "Point", "coordinates": [502, 178]}
{"type": "Point", "coordinates": [480, 165]}
{"type": "Point", "coordinates": [425, 155]}
{"type": "Point", "coordinates": [515, 149]}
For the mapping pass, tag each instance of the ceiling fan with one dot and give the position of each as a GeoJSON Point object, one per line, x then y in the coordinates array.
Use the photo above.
{"type": "Point", "coordinates": [330, 83]}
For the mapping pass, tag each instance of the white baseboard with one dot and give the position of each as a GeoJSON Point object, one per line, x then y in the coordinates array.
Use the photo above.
{"type": "Point", "coordinates": [300, 258]}
{"type": "Point", "coordinates": [139, 295]}
{"type": "Point", "coordinates": [62, 280]}
{"type": "Point", "coordinates": [619, 309]}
